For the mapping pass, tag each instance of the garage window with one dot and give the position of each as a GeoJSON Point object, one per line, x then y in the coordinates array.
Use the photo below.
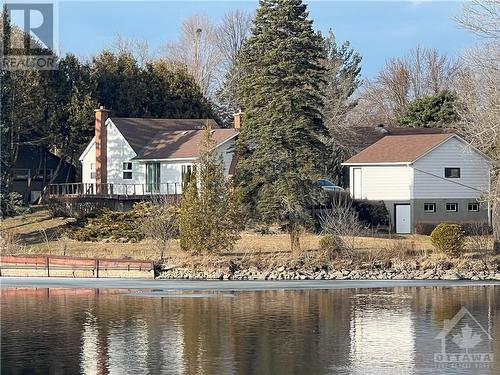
{"type": "Point", "coordinates": [429, 207]}
{"type": "Point", "coordinates": [474, 207]}
{"type": "Point", "coordinates": [452, 207]}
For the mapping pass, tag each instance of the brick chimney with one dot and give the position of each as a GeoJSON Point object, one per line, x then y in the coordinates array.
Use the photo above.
{"type": "Point", "coordinates": [101, 140]}
{"type": "Point", "coordinates": [237, 119]}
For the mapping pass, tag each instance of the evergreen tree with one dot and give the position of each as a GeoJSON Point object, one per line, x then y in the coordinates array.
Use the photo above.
{"type": "Point", "coordinates": [23, 104]}
{"type": "Point", "coordinates": [172, 92]}
{"type": "Point", "coordinates": [281, 145]}
{"type": "Point", "coordinates": [118, 83]}
{"type": "Point", "coordinates": [435, 111]}
{"type": "Point", "coordinates": [208, 213]}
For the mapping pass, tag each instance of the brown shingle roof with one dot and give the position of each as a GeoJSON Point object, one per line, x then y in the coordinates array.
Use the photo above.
{"type": "Point", "coordinates": [154, 139]}
{"type": "Point", "coordinates": [180, 144]}
{"type": "Point", "coordinates": [140, 131]}
{"type": "Point", "coordinates": [399, 148]}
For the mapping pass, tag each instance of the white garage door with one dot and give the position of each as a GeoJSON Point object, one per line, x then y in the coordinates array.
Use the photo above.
{"type": "Point", "coordinates": [403, 214]}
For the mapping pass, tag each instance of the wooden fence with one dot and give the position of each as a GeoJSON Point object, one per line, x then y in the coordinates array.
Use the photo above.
{"type": "Point", "coordinates": [61, 266]}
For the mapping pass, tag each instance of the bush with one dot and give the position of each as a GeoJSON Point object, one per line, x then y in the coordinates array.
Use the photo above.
{"type": "Point", "coordinates": [448, 238]}
{"type": "Point", "coordinates": [332, 245]}
{"type": "Point", "coordinates": [160, 225]}
{"type": "Point", "coordinates": [343, 222]}
{"type": "Point", "coordinates": [209, 218]}
{"type": "Point", "coordinates": [370, 212]}
{"type": "Point", "coordinates": [473, 228]}
{"type": "Point", "coordinates": [12, 204]}
{"type": "Point", "coordinates": [110, 224]}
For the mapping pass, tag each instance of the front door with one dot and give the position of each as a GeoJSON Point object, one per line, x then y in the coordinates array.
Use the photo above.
{"type": "Point", "coordinates": [152, 177]}
{"type": "Point", "coordinates": [403, 218]}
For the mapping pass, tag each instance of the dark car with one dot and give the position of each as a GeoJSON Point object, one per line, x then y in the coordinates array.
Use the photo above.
{"type": "Point", "coordinates": [329, 186]}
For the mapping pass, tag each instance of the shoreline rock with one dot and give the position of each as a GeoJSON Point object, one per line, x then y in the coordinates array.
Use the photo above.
{"type": "Point", "coordinates": [297, 273]}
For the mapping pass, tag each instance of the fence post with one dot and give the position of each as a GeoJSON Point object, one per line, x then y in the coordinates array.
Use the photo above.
{"type": "Point", "coordinates": [47, 265]}
{"type": "Point", "coordinates": [96, 268]}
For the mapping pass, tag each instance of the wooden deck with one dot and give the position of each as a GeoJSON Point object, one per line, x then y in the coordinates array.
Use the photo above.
{"type": "Point", "coordinates": [113, 191]}
{"type": "Point", "coordinates": [80, 199]}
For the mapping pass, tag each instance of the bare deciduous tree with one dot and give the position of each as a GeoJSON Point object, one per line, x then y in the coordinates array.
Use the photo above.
{"type": "Point", "coordinates": [481, 18]}
{"type": "Point", "coordinates": [138, 48]}
{"type": "Point", "coordinates": [478, 87]}
{"type": "Point", "coordinates": [231, 35]}
{"type": "Point", "coordinates": [342, 220]}
{"type": "Point", "coordinates": [197, 49]}
{"type": "Point", "coordinates": [423, 72]}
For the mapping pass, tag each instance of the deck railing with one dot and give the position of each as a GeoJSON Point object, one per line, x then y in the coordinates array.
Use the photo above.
{"type": "Point", "coordinates": [111, 190]}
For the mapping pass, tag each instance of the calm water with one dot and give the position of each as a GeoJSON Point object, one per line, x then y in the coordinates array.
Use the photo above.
{"type": "Point", "coordinates": [350, 331]}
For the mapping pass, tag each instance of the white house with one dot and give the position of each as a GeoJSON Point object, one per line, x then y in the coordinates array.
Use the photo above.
{"type": "Point", "coordinates": [139, 156]}
{"type": "Point", "coordinates": [423, 179]}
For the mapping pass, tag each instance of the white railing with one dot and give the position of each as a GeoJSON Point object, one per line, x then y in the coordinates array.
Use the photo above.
{"type": "Point", "coordinates": [90, 189]}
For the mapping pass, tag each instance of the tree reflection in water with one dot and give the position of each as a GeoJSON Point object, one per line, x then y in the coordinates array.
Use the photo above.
{"type": "Point", "coordinates": [101, 331]}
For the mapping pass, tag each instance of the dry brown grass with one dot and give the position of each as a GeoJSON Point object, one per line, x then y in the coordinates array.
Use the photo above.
{"type": "Point", "coordinates": [37, 234]}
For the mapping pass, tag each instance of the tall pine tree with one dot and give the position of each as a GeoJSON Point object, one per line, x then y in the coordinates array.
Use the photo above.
{"type": "Point", "coordinates": [282, 140]}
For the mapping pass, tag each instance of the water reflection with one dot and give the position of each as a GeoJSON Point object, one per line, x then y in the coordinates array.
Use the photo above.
{"type": "Point", "coordinates": [361, 331]}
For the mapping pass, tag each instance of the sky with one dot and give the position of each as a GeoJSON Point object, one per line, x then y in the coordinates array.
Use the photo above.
{"type": "Point", "coordinates": [378, 30]}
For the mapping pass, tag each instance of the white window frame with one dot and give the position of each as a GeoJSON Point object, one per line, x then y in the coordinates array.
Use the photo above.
{"type": "Point", "coordinates": [456, 207]}
{"type": "Point", "coordinates": [92, 171]}
{"type": "Point", "coordinates": [127, 168]}
{"type": "Point", "coordinates": [452, 168]}
{"type": "Point", "coordinates": [474, 204]}
{"type": "Point", "coordinates": [433, 210]}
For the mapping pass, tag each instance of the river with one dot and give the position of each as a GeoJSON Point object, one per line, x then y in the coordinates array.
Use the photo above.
{"type": "Point", "coordinates": [163, 330]}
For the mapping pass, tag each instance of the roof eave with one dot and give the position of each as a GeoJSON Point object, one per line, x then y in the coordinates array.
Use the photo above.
{"type": "Point", "coordinates": [377, 163]}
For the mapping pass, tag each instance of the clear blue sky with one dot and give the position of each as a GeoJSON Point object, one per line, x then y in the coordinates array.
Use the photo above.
{"type": "Point", "coordinates": [378, 30]}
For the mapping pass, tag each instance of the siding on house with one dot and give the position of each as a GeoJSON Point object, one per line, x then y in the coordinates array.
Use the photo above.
{"type": "Point", "coordinates": [391, 182]}
{"type": "Point", "coordinates": [119, 151]}
{"type": "Point", "coordinates": [88, 159]}
{"type": "Point", "coordinates": [429, 180]}
{"type": "Point", "coordinates": [422, 180]}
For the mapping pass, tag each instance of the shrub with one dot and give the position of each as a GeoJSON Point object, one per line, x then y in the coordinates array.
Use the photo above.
{"type": "Point", "coordinates": [448, 238]}
{"type": "Point", "coordinates": [331, 245]}
{"type": "Point", "coordinates": [370, 212]}
{"type": "Point", "coordinates": [342, 220]}
{"type": "Point", "coordinates": [110, 224]}
{"type": "Point", "coordinates": [12, 204]}
{"type": "Point", "coordinates": [160, 225]}
{"type": "Point", "coordinates": [208, 215]}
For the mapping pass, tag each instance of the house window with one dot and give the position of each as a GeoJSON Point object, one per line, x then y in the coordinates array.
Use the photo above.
{"type": "Point", "coordinates": [429, 207]}
{"type": "Point", "coordinates": [452, 172]}
{"type": "Point", "coordinates": [187, 171]}
{"type": "Point", "coordinates": [473, 207]}
{"type": "Point", "coordinates": [21, 174]}
{"type": "Point", "coordinates": [44, 172]}
{"type": "Point", "coordinates": [92, 171]}
{"type": "Point", "coordinates": [127, 171]}
{"type": "Point", "coordinates": [452, 207]}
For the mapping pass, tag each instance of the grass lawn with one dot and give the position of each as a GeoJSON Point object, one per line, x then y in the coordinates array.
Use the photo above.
{"type": "Point", "coordinates": [38, 233]}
